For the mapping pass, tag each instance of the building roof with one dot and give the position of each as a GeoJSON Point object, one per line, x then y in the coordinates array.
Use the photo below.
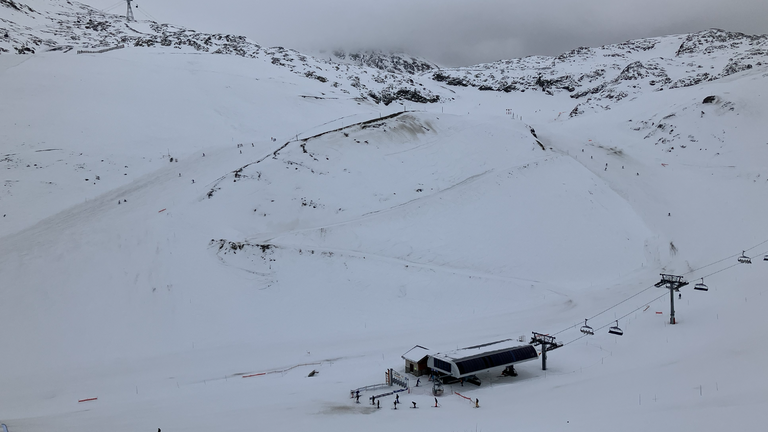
{"type": "Point", "coordinates": [486, 356]}
{"type": "Point", "coordinates": [416, 354]}
{"type": "Point", "coordinates": [475, 350]}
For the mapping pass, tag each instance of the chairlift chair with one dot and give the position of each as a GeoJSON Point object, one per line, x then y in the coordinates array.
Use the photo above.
{"type": "Point", "coordinates": [765, 258]}
{"type": "Point", "coordinates": [616, 330]}
{"type": "Point", "coordinates": [745, 259]}
{"type": "Point", "coordinates": [587, 329]}
{"type": "Point", "coordinates": [700, 286]}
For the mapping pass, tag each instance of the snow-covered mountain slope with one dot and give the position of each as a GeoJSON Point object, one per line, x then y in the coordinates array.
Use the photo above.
{"type": "Point", "coordinates": [300, 228]}
{"type": "Point", "coordinates": [65, 26]}
{"type": "Point", "coordinates": [605, 75]}
{"type": "Point", "coordinates": [595, 77]}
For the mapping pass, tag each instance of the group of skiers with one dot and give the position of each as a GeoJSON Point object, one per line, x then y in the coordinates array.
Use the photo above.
{"type": "Point", "coordinates": [377, 402]}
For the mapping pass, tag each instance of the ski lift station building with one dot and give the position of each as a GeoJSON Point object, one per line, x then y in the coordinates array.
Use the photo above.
{"type": "Point", "coordinates": [465, 362]}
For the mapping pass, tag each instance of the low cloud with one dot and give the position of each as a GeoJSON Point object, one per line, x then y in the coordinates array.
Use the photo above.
{"type": "Point", "coordinates": [456, 32]}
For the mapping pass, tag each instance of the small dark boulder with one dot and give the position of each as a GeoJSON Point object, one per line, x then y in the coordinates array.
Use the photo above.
{"type": "Point", "coordinates": [709, 99]}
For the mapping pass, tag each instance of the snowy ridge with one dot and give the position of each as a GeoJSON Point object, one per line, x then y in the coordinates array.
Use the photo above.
{"type": "Point", "coordinates": [597, 77]}
{"type": "Point", "coordinates": [390, 62]}
{"type": "Point", "coordinates": [68, 25]}
{"type": "Point", "coordinates": [608, 74]}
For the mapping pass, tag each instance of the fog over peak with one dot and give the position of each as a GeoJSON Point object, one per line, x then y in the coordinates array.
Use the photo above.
{"type": "Point", "coordinates": [453, 32]}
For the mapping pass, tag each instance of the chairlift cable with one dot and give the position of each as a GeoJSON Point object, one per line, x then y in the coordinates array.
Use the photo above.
{"type": "Point", "coordinates": [732, 265]}
{"type": "Point", "coordinates": [618, 319]}
{"type": "Point", "coordinates": [657, 298]}
{"type": "Point", "coordinates": [653, 286]}
{"type": "Point", "coordinates": [113, 6]}
{"type": "Point", "coordinates": [711, 264]}
{"type": "Point", "coordinates": [147, 14]}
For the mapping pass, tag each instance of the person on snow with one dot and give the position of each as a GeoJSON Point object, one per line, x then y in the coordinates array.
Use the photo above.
{"type": "Point", "coordinates": [397, 399]}
{"type": "Point", "coordinates": [477, 403]}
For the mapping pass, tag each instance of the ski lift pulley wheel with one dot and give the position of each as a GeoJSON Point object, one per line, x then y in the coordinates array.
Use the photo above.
{"type": "Point", "coordinates": [616, 330]}
{"type": "Point", "coordinates": [701, 286]}
{"type": "Point", "coordinates": [587, 329]}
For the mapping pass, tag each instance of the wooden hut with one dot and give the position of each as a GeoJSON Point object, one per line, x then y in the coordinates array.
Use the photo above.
{"type": "Point", "coordinates": [416, 360]}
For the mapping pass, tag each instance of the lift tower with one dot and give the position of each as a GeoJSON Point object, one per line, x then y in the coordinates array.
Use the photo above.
{"type": "Point", "coordinates": [547, 343]}
{"type": "Point", "coordinates": [672, 283]}
{"type": "Point", "coordinates": [129, 12]}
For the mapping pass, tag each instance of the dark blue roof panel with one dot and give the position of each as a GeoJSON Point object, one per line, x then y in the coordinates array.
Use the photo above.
{"type": "Point", "coordinates": [502, 358]}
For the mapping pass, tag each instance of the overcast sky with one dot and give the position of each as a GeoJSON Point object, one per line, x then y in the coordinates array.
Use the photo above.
{"type": "Point", "coordinates": [452, 32]}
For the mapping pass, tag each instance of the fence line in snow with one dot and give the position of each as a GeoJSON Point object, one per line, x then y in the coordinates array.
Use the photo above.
{"type": "Point", "coordinates": [101, 50]}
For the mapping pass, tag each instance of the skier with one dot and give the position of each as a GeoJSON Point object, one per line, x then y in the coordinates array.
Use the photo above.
{"type": "Point", "coordinates": [397, 399]}
{"type": "Point", "coordinates": [395, 404]}
{"type": "Point", "coordinates": [357, 399]}
{"type": "Point", "coordinates": [378, 404]}
{"type": "Point", "coordinates": [477, 403]}
{"type": "Point", "coordinates": [418, 380]}
{"type": "Point", "coordinates": [436, 404]}
{"type": "Point", "coordinates": [414, 404]}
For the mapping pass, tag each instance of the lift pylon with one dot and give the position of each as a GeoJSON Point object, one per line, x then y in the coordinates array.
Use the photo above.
{"type": "Point", "coordinates": [672, 283]}
{"type": "Point", "coordinates": [547, 343]}
{"type": "Point", "coordinates": [129, 12]}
